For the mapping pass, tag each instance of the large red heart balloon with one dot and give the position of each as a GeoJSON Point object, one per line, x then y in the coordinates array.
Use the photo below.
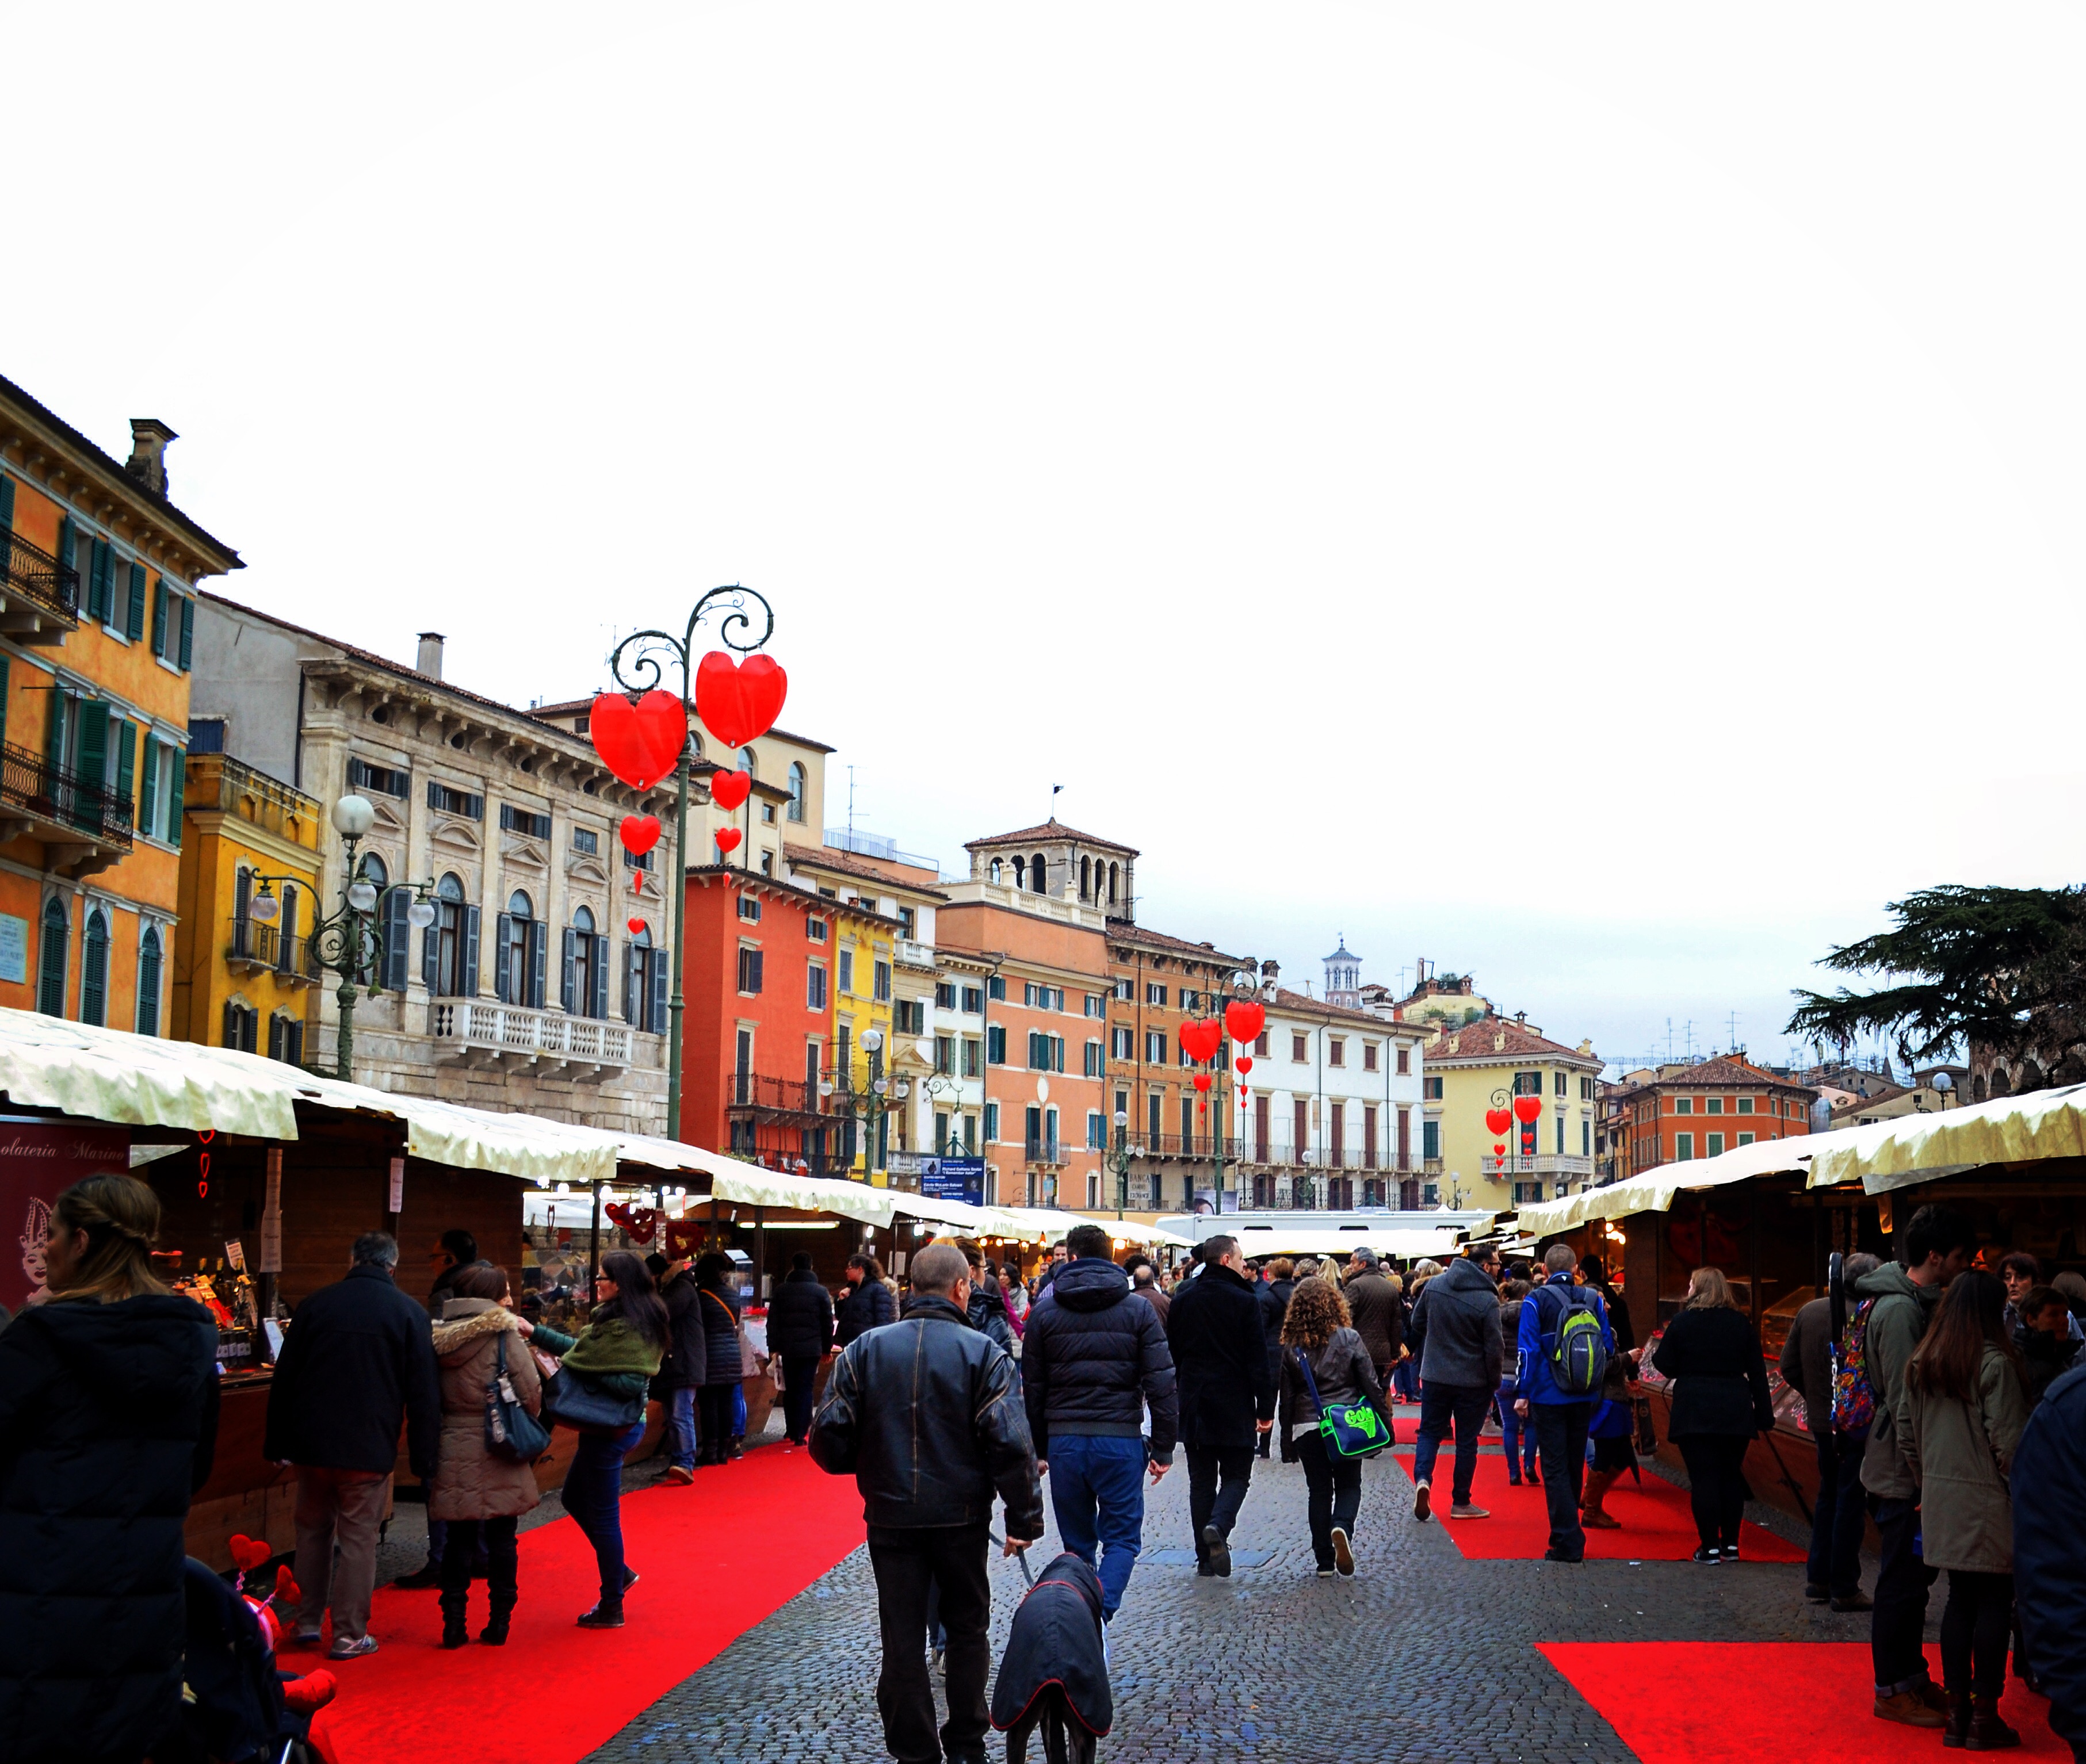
{"type": "Point", "coordinates": [1497, 1121]}
{"type": "Point", "coordinates": [1200, 1040]}
{"type": "Point", "coordinates": [640, 833]}
{"type": "Point", "coordinates": [1244, 1063]}
{"type": "Point", "coordinates": [1246, 1020]}
{"type": "Point", "coordinates": [641, 743]}
{"type": "Point", "coordinates": [736, 702]}
{"type": "Point", "coordinates": [1527, 1108]}
{"type": "Point", "coordinates": [728, 790]}
{"type": "Point", "coordinates": [1202, 1081]}
{"type": "Point", "coordinates": [728, 840]}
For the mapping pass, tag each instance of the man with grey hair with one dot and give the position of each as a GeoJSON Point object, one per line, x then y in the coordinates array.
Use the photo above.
{"type": "Point", "coordinates": [359, 1363]}
{"type": "Point", "coordinates": [925, 1415]}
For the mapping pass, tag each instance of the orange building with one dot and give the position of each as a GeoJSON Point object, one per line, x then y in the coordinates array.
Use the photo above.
{"type": "Point", "coordinates": [96, 630]}
{"type": "Point", "coordinates": [1703, 1110]}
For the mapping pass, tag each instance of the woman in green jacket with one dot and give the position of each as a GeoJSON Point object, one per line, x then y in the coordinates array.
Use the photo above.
{"type": "Point", "coordinates": [1966, 1404]}
{"type": "Point", "coordinates": [616, 1353]}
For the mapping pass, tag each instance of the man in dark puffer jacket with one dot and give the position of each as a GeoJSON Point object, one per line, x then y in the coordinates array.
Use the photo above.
{"type": "Point", "coordinates": [1091, 1359]}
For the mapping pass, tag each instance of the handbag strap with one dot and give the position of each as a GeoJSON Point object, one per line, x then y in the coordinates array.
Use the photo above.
{"type": "Point", "coordinates": [1310, 1384]}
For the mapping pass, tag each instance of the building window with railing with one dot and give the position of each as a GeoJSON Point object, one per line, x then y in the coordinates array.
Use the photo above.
{"type": "Point", "coordinates": [448, 947]}
{"type": "Point", "coordinates": [521, 950]}
{"type": "Point", "coordinates": [644, 984]}
{"type": "Point", "coordinates": [797, 784]}
{"type": "Point", "coordinates": [583, 989]}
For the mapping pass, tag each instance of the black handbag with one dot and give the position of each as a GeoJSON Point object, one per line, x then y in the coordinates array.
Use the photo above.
{"type": "Point", "coordinates": [511, 1431]}
{"type": "Point", "coordinates": [570, 1400]}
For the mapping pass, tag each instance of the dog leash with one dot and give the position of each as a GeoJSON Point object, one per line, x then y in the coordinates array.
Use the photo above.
{"type": "Point", "coordinates": [1021, 1556]}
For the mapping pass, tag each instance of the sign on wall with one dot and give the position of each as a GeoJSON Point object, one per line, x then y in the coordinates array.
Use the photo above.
{"type": "Point", "coordinates": [38, 1159]}
{"type": "Point", "coordinates": [13, 948]}
{"type": "Point", "coordinates": [953, 1179]}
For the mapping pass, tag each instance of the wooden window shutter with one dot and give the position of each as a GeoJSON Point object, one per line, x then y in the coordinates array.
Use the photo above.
{"type": "Point", "coordinates": [468, 980]}
{"type": "Point", "coordinates": [159, 610]}
{"type": "Point", "coordinates": [539, 944]}
{"type": "Point", "coordinates": [6, 504]}
{"type": "Point", "coordinates": [231, 1024]}
{"type": "Point", "coordinates": [502, 951]}
{"type": "Point", "coordinates": [398, 939]}
{"type": "Point", "coordinates": [100, 568]}
{"type": "Point", "coordinates": [134, 612]}
{"type": "Point", "coordinates": [658, 1023]}
{"type": "Point", "coordinates": [176, 784]}
{"type": "Point", "coordinates": [431, 952]}
{"type": "Point", "coordinates": [599, 1009]}
{"type": "Point", "coordinates": [276, 1038]}
{"type": "Point", "coordinates": [3, 689]}
{"type": "Point", "coordinates": [126, 765]}
{"type": "Point", "coordinates": [188, 632]}
{"type": "Point", "coordinates": [566, 986]}
{"type": "Point", "coordinates": [631, 983]}
{"type": "Point", "coordinates": [149, 804]}
{"type": "Point", "coordinates": [93, 762]}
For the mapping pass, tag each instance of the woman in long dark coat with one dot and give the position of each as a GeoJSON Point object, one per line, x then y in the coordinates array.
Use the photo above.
{"type": "Point", "coordinates": [108, 1423]}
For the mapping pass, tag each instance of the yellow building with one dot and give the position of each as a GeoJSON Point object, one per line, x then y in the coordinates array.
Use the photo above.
{"type": "Point", "coordinates": [244, 980]}
{"type": "Point", "coordinates": [1475, 1067]}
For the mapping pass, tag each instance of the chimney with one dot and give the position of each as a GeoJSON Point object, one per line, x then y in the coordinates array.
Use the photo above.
{"type": "Point", "coordinates": [430, 661]}
{"type": "Point", "coordinates": [148, 451]}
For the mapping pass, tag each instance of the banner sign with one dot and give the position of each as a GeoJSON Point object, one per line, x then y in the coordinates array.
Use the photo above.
{"type": "Point", "coordinates": [953, 1179]}
{"type": "Point", "coordinates": [38, 1158]}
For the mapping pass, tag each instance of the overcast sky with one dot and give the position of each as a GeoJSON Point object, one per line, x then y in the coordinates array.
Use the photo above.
{"type": "Point", "coordinates": [1591, 498]}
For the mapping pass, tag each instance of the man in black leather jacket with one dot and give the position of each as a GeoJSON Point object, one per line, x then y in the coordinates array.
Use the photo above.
{"type": "Point", "coordinates": [925, 1415]}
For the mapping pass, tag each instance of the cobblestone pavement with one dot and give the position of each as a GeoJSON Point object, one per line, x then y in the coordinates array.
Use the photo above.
{"type": "Point", "coordinates": [1433, 1657]}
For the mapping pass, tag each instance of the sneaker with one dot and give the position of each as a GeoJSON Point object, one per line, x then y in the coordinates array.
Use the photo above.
{"type": "Point", "coordinates": [1814, 1594]}
{"type": "Point", "coordinates": [1851, 1601]}
{"type": "Point", "coordinates": [1910, 1708]}
{"type": "Point", "coordinates": [1705, 1553]}
{"type": "Point", "coordinates": [1513, 1479]}
{"type": "Point", "coordinates": [1465, 1509]}
{"type": "Point", "coordinates": [353, 1650]}
{"type": "Point", "coordinates": [679, 1473]}
{"type": "Point", "coordinates": [1423, 1500]}
{"type": "Point", "coordinates": [1324, 1573]}
{"type": "Point", "coordinates": [1730, 1552]}
{"type": "Point", "coordinates": [1933, 1696]}
{"type": "Point", "coordinates": [602, 1617]}
{"type": "Point", "coordinates": [1216, 1552]}
{"type": "Point", "coordinates": [1343, 1552]}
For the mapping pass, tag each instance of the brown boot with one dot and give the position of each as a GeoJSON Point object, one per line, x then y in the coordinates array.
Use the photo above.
{"type": "Point", "coordinates": [1910, 1707]}
{"type": "Point", "coordinates": [1988, 1732]}
{"type": "Point", "coordinates": [1591, 1515]}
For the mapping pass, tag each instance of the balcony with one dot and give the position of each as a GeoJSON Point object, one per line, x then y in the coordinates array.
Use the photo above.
{"type": "Point", "coordinates": [1284, 1154]}
{"type": "Point", "coordinates": [85, 827]}
{"type": "Point", "coordinates": [1542, 1163]}
{"type": "Point", "coordinates": [265, 948]}
{"type": "Point", "coordinates": [545, 1043]}
{"type": "Point", "coordinates": [763, 1095]}
{"type": "Point", "coordinates": [909, 954]}
{"type": "Point", "coordinates": [1047, 1152]}
{"type": "Point", "coordinates": [1321, 1194]}
{"type": "Point", "coordinates": [39, 595]}
{"type": "Point", "coordinates": [1205, 1145]}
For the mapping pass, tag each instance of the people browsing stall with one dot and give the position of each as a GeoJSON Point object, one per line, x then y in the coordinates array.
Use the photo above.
{"type": "Point", "coordinates": [1837, 1519]}
{"type": "Point", "coordinates": [1721, 1402]}
{"type": "Point", "coordinates": [686, 1369]}
{"type": "Point", "coordinates": [478, 1494]}
{"type": "Point", "coordinates": [867, 1303]}
{"type": "Point", "coordinates": [800, 1331]}
{"type": "Point", "coordinates": [109, 1399]}
{"type": "Point", "coordinates": [1323, 1364]}
{"type": "Point", "coordinates": [1565, 1344]}
{"type": "Point", "coordinates": [613, 1358]}
{"type": "Point", "coordinates": [1966, 1407]}
{"type": "Point", "coordinates": [357, 1365]}
{"type": "Point", "coordinates": [2023, 1275]}
{"type": "Point", "coordinates": [725, 1363]}
{"type": "Point", "coordinates": [2048, 1349]}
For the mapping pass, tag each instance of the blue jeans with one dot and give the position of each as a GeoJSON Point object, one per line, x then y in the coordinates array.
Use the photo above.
{"type": "Point", "coordinates": [1097, 1495]}
{"type": "Point", "coordinates": [681, 1427]}
{"type": "Point", "coordinates": [1517, 1435]}
{"type": "Point", "coordinates": [1837, 1519]}
{"type": "Point", "coordinates": [1560, 1434]}
{"type": "Point", "coordinates": [1403, 1376]}
{"type": "Point", "coordinates": [1440, 1406]}
{"type": "Point", "coordinates": [594, 1496]}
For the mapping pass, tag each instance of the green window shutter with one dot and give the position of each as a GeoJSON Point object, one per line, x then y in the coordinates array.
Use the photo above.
{"type": "Point", "coordinates": [134, 618]}
{"type": "Point", "coordinates": [126, 760]}
{"type": "Point", "coordinates": [3, 695]}
{"type": "Point", "coordinates": [90, 762]}
{"type": "Point", "coordinates": [179, 770]}
{"type": "Point", "coordinates": [54, 732]}
{"type": "Point", "coordinates": [151, 801]}
{"type": "Point", "coordinates": [101, 577]}
{"type": "Point", "coordinates": [7, 503]}
{"type": "Point", "coordinates": [188, 645]}
{"type": "Point", "coordinates": [159, 610]}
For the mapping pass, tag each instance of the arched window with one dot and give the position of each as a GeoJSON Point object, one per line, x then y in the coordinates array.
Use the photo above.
{"type": "Point", "coordinates": [995, 872]}
{"type": "Point", "coordinates": [57, 952]}
{"type": "Point", "coordinates": [745, 761]}
{"type": "Point", "coordinates": [1085, 876]}
{"type": "Point", "coordinates": [94, 970]}
{"type": "Point", "coordinates": [1112, 878]}
{"type": "Point", "coordinates": [517, 964]}
{"type": "Point", "coordinates": [1977, 1088]}
{"type": "Point", "coordinates": [643, 983]}
{"type": "Point", "coordinates": [1020, 872]}
{"type": "Point", "coordinates": [584, 991]}
{"type": "Point", "coordinates": [148, 981]}
{"type": "Point", "coordinates": [797, 779]}
{"type": "Point", "coordinates": [1036, 873]}
{"type": "Point", "coordinates": [373, 868]}
{"type": "Point", "coordinates": [448, 952]}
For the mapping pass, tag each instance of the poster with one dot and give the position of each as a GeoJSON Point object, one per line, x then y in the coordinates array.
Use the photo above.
{"type": "Point", "coordinates": [39, 1158]}
{"type": "Point", "coordinates": [13, 948]}
{"type": "Point", "coordinates": [953, 1179]}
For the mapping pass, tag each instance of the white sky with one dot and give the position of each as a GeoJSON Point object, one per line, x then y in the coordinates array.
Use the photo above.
{"type": "Point", "coordinates": [1587, 496]}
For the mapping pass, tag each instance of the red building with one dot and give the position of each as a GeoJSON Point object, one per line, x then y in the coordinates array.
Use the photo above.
{"type": "Point", "coordinates": [1690, 1112]}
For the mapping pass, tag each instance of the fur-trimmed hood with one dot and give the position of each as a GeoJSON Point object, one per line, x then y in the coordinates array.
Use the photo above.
{"type": "Point", "coordinates": [466, 1322]}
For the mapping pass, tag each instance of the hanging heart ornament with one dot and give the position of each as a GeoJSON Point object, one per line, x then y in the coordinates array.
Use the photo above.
{"type": "Point", "coordinates": [639, 833]}
{"type": "Point", "coordinates": [1246, 1020]}
{"type": "Point", "coordinates": [727, 841]}
{"type": "Point", "coordinates": [739, 701]}
{"type": "Point", "coordinates": [1499, 1149]}
{"type": "Point", "coordinates": [1202, 1081]}
{"type": "Point", "coordinates": [1200, 1040]}
{"type": "Point", "coordinates": [729, 790]}
{"type": "Point", "coordinates": [642, 742]}
{"type": "Point", "coordinates": [1244, 1063]}
{"type": "Point", "coordinates": [635, 925]}
{"type": "Point", "coordinates": [1497, 1121]}
{"type": "Point", "coordinates": [1526, 1109]}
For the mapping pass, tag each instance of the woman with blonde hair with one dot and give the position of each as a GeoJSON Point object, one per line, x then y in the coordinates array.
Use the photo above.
{"type": "Point", "coordinates": [1317, 1328]}
{"type": "Point", "coordinates": [1711, 1352]}
{"type": "Point", "coordinates": [108, 1413]}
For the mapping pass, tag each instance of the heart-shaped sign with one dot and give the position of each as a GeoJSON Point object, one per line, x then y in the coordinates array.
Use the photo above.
{"type": "Point", "coordinates": [1246, 1020]}
{"type": "Point", "coordinates": [635, 926]}
{"type": "Point", "coordinates": [1498, 1150]}
{"type": "Point", "coordinates": [640, 1221]}
{"type": "Point", "coordinates": [640, 833]}
{"type": "Point", "coordinates": [287, 1590]}
{"type": "Point", "coordinates": [1244, 1063]}
{"type": "Point", "coordinates": [1202, 1081]}
{"type": "Point", "coordinates": [1497, 1121]}
{"type": "Point", "coordinates": [728, 840]}
{"type": "Point", "coordinates": [728, 790]}
{"type": "Point", "coordinates": [739, 702]}
{"type": "Point", "coordinates": [1527, 1108]}
{"type": "Point", "coordinates": [641, 743]}
{"type": "Point", "coordinates": [248, 1554]}
{"type": "Point", "coordinates": [1200, 1040]}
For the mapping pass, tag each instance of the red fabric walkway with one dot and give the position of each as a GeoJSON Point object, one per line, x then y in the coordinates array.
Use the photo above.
{"type": "Point", "coordinates": [717, 1558]}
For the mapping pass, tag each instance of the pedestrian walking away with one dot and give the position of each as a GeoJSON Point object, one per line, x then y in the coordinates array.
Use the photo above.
{"type": "Point", "coordinates": [1721, 1403]}
{"type": "Point", "coordinates": [867, 1303]}
{"type": "Point", "coordinates": [478, 1494]}
{"type": "Point", "coordinates": [1457, 1321]}
{"type": "Point", "coordinates": [109, 1401]}
{"type": "Point", "coordinates": [1092, 1359]}
{"type": "Point", "coordinates": [615, 1355]}
{"type": "Point", "coordinates": [1144, 1283]}
{"type": "Point", "coordinates": [724, 1361]}
{"type": "Point", "coordinates": [1557, 1375]}
{"type": "Point", "coordinates": [1517, 1436]}
{"type": "Point", "coordinates": [800, 1332]}
{"type": "Point", "coordinates": [1374, 1302]}
{"type": "Point", "coordinates": [686, 1369]}
{"type": "Point", "coordinates": [357, 1365]}
{"type": "Point", "coordinates": [925, 1417]}
{"type": "Point", "coordinates": [1833, 1573]}
{"type": "Point", "coordinates": [1272, 1292]}
{"type": "Point", "coordinates": [2048, 1495]}
{"type": "Point", "coordinates": [1227, 1394]}
{"type": "Point", "coordinates": [1318, 1327]}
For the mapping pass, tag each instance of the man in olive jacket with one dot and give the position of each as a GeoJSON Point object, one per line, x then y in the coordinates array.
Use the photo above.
{"type": "Point", "coordinates": [1938, 1243]}
{"type": "Point", "coordinates": [1226, 1387]}
{"type": "Point", "coordinates": [925, 1415]}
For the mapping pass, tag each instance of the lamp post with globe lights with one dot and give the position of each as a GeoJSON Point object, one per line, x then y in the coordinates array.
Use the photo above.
{"type": "Point", "coordinates": [840, 1094]}
{"type": "Point", "coordinates": [349, 941]}
{"type": "Point", "coordinates": [1120, 1159]}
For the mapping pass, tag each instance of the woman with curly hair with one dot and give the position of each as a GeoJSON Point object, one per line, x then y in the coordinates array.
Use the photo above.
{"type": "Point", "coordinates": [1317, 1327]}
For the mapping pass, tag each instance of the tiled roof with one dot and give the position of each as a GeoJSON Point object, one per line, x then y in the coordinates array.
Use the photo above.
{"type": "Point", "coordinates": [809, 898]}
{"type": "Point", "coordinates": [1051, 829]}
{"type": "Point", "coordinates": [1723, 1073]}
{"type": "Point", "coordinates": [1302, 1003]}
{"type": "Point", "coordinates": [1126, 930]}
{"type": "Point", "coordinates": [825, 858]}
{"type": "Point", "coordinates": [1473, 1043]}
{"type": "Point", "coordinates": [580, 706]}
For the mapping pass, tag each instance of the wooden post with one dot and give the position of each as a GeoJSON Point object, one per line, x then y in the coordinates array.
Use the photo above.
{"type": "Point", "coordinates": [594, 1246]}
{"type": "Point", "coordinates": [760, 1255]}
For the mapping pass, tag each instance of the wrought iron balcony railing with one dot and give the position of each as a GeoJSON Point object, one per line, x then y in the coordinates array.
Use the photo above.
{"type": "Point", "coordinates": [31, 783]}
{"type": "Point", "coordinates": [754, 1090]}
{"type": "Point", "coordinates": [268, 946]}
{"type": "Point", "coordinates": [35, 577]}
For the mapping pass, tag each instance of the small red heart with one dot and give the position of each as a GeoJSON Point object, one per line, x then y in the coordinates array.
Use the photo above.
{"type": "Point", "coordinates": [640, 833]}
{"type": "Point", "coordinates": [1244, 1063]}
{"type": "Point", "coordinates": [1202, 1081]}
{"type": "Point", "coordinates": [248, 1554]}
{"type": "Point", "coordinates": [728, 840]}
{"type": "Point", "coordinates": [1499, 1151]}
{"type": "Point", "coordinates": [738, 703]}
{"type": "Point", "coordinates": [1497, 1121]}
{"type": "Point", "coordinates": [728, 790]}
{"type": "Point", "coordinates": [635, 926]}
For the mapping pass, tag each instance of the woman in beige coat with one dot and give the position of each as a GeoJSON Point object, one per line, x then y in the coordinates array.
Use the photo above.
{"type": "Point", "coordinates": [1968, 1403]}
{"type": "Point", "coordinates": [475, 1491]}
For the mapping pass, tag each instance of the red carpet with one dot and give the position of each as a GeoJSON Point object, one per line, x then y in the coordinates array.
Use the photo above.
{"type": "Point", "coordinates": [717, 1558]}
{"type": "Point", "coordinates": [1739, 1702]}
{"type": "Point", "coordinates": [1657, 1524]}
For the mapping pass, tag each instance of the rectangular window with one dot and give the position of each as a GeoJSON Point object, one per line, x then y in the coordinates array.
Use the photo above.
{"type": "Point", "coordinates": [638, 860]}
{"type": "Point", "coordinates": [997, 987]}
{"type": "Point", "coordinates": [1430, 1140]}
{"type": "Point", "coordinates": [749, 908]}
{"type": "Point", "coordinates": [995, 1045]}
{"type": "Point", "coordinates": [1123, 991]}
{"type": "Point", "coordinates": [1714, 1144]}
{"type": "Point", "coordinates": [908, 920]}
{"type": "Point", "coordinates": [1585, 1090]}
{"type": "Point", "coordinates": [1028, 994]}
{"type": "Point", "coordinates": [847, 970]}
{"type": "Point", "coordinates": [463, 802]}
{"type": "Point", "coordinates": [815, 930]}
{"type": "Point", "coordinates": [1528, 1084]}
{"type": "Point", "coordinates": [908, 1016]}
{"type": "Point", "coordinates": [815, 986]}
{"type": "Point", "coordinates": [882, 982]}
{"type": "Point", "coordinates": [991, 1121]}
{"type": "Point", "coordinates": [1096, 1133]}
{"type": "Point", "coordinates": [363, 777]}
{"type": "Point", "coordinates": [1155, 1047]}
{"type": "Point", "coordinates": [1336, 1050]}
{"type": "Point", "coordinates": [1154, 1134]}
{"type": "Point", "coordinates": [1300, 1049]}
{"type": "Point", "coordinates": [1260, 1044]}
{"type": "Point", "coordinates": [749, 971]}
{"type": "Point", "coordinates": [1093, 1065]}
{"type": "Point", "coordinates": [1404, 1062]}
{"type": "Point", "coordinates": [524, 821]}
{"type": "Point", "coordinates": [1745, 1139]}
{"type": "Point", "coordinates": [1683, 1147]}
{"type": "Point", "coordinates": [1713, 1105]}
{"type": "Point", "coordinates": [1683, 1105]}
{"type": "Point", "coordinates": [1431, 1089]}
{"type": "Point", "coordinates": [945, 1055]}
{"type": "Point", "coordinates": [1557, 1084]}
{"type": "Point", "coordinates": [973, 1001]}
{"type": "Point", "coordinates": [1369, 1056]}
{"type": "Point", "coordinates": [1119, 1043]}
{"type": "Point", "coordinates": [1745, 1105]}
{"type": "Point", "coordinates": [945, 996]}
{"type": "Point", "coordinates": [1155, 993]}
{"type": "Point", "coordinates": [586, 842]}
{"type": "Point", "coordinates": [973, 1063]}
{"type": "Point", "coordinates": [1586, 1139]}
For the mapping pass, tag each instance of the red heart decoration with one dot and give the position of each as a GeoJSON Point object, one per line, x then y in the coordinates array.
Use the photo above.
{"type": "Point", "coordinates": [635, 926]}
{"type": "Point", "coordinates": [1526, 1108]}
{"type": "Point", "coordinates": [1499, 1151]}
{"type": "Point", "coordinates": [248, 1554]}
{"type": "Point", "coordinates": [1246, 1020]}
{"type": "Point", "coordinates": [728, 790]}
{"type": "Point", "coordinates": [1199, 1040]}
{"type": "Point", "coordinates": [286, 1587]}
{"type": "Point", "coordinates": [728, 840]}
{"type": "Point", "coordinates": [641, 743]}
{"type": "Point", "coordinates": [640, 833]}
{"type": "Point", "coordinates": [1497, 1121]}
{"type": "Point", "coordinates": [738, 703]}
{"type": "Point", "coordinates": [638, 1220]}
{"type": "Point", "coordinates": [1244, 1063]}
{"type": "Point", "coordinates": [1202, 1081]}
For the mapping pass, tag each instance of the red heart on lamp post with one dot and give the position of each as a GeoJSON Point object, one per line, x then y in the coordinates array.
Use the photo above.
{"type": "Point", "coordinates": [641, 743]}
{"type": "Point", "coordinates": [1200, 1040]}
{"type": "Point", "coordinates": [1497, 1121]}
{"type": "Point", "coordinates": [1246, 1020]}
{"type": "Point", "coordinates": [1202, 1081]}
{"type": "Point", "coordinates": [1527, 1108]}
{"type": "Point", "coordinates": [727, 841]}
{"type": "Point", "coordinates": [1244, 1063]}
{"type": "Point", "coordinates": [729, 790]}
{"type": "Point", "coordinates": [1499, 1151]}
{"type": "Point", "coordinates": [736, 701]}
{"type": "Point", "coordinates": [640, 833]}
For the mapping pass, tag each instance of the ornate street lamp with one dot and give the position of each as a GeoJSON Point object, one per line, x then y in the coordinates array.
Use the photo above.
{"type": "Point", "coordinates": [840, 1094]}
{"type": "Point", "coordinates": [1119, 1161]}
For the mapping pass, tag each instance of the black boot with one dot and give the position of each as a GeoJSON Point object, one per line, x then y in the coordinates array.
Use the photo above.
{"type": "Point", "coordinates": [503, 1611]}
{"type": "Point", "coordinates": [1958, 1731]}
{"type": "Point", "coordinates": [454, 1604]}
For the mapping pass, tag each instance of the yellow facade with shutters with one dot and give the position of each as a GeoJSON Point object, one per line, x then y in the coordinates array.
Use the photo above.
{"type": "Point", "coordinates": [863, 976]}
